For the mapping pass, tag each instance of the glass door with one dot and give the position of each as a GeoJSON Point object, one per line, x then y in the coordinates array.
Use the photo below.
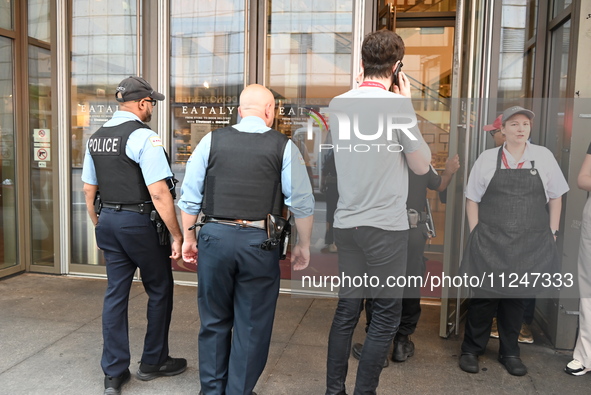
{"type": "Point", "coordinates": [43, 143]}
{"type": "Point", "coordinates": [9, 258]}
{"type": "Point", "coordinates": [8, 207]}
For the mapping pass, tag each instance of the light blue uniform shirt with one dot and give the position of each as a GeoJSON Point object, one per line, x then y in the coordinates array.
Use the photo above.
{"type": "Point", "coordinates": [143, 146]}
{"type": "Point", "coordinates": [295, 183]}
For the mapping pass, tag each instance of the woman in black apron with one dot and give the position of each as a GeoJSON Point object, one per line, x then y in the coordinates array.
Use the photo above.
{"type": "Point", "coordinates": [512, 236]}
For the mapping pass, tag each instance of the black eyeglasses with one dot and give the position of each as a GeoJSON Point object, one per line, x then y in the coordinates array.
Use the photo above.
{"type": "Point", "coordinates": [153, 101]}
{"type": "Point", "coordinates": [493, 132]}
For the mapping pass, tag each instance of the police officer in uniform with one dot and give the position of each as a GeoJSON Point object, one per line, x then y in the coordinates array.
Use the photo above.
{"type": "Point", "coordinates": [236, 176]}
{"type": "Point", "coordinates": [126, 163]}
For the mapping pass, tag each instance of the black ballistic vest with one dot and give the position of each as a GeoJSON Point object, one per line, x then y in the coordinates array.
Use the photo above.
{"type": "Point", "coordinates": [243, 178]}
{"type": "Point", "coordinates": [120, 179]}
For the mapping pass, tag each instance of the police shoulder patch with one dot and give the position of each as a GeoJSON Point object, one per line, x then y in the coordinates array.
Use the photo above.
{"type": "Point", "coordinates": [156, 141]}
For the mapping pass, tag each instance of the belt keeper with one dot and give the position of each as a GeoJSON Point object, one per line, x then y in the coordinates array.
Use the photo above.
{"type": "Point", "coordinates": [141, 206]}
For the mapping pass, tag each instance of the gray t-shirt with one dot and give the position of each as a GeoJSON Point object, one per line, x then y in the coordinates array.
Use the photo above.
{"type": "Point", "coordinates": [371, 168]}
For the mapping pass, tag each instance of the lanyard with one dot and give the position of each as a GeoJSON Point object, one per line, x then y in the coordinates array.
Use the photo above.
{"type": "Point", "coordinates": [504, 159]}
{"type": "Point", "coordinates": [373, 84]}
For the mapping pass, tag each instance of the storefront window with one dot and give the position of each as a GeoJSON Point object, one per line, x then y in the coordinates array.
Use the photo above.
{"type": "Point", "coordinates": [207, 73]}
{"type": "Point", "coordinates": [39, 16]}
{"type": "Point", "coordinates": [7, 168]}
{"type": "Point", "coordinates": [103, 53]}
{"type": "Point", "coordinates": [42, 156]}
{"type": "Point", "coordinates": [6, 14]}
{"type": "Point", "coordinates": [308, 62]}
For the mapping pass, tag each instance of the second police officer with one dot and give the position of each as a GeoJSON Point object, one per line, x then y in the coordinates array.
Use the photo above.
{"type": "Point", "coordinates": [238, 175]}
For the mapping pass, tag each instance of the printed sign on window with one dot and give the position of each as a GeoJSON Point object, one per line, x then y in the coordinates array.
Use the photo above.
{"type": "Point", "coordinates": [42, 154]}
{"type": "Point", "coordinates": [41, 135]}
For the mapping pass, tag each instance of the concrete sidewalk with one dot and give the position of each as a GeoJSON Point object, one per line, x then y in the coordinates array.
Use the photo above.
{"type": "Point", "coordinates": [50, 343]}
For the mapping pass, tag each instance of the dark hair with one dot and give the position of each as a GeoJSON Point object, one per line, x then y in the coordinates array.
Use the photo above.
{"type": "Point", "coordinates": [380, 51]}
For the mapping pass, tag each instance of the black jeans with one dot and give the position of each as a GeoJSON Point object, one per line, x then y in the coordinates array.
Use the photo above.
{"type": "Point", "coordinates": [415, 267]}
{"type": "Point", "coordinates": [374, 255]}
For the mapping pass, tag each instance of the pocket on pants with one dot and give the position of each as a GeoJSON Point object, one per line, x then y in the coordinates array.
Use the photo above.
{"type": "Point", "coordinates": [208, 239]}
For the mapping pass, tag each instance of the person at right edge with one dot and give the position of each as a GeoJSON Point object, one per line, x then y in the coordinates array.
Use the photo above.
{"type": "Point", "coordinates": [581, 362]}
{"type": "Point", "coordinates": [513, 203]}
{"type": "Point", "coordinates": [371, 223]}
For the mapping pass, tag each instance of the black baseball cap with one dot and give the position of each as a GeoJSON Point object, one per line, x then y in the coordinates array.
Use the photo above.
{"type": "Point", "coordinates": [135, 88]}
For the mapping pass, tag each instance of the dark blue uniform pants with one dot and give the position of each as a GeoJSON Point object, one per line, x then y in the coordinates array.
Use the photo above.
{"type": "Point", "coordinates": [237, 296]}
{"type": "Point", "coordinates": [379, 254]}
{"type": "Point", "coordinates": [129, 241]}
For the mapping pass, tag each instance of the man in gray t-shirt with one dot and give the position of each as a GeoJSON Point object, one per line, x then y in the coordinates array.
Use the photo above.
{"type": "Point", "coordinates": [374, 186]}
{"type": "Point", "coordinates": [375, 140]}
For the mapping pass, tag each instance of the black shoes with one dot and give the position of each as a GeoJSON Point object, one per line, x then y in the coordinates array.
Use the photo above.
{"type": "Point", "coordinates": [356, 350]}
{"type": "Point", "coordinates": [403, 348]}
{"type": "Point", "coordinates": [113, 384]}
{"type": "Point", "coordinates": [356, 353]}
{"type": "Point", "coordinates": [513, 365]}
{"type": "Point", "coordinates": [469, 363]}
{"type": "Point", "coordinates": [171, 367]}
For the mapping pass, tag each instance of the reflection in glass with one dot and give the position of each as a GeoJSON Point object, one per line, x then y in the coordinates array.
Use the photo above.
{"type": "Point", "coordinates": [103, 53]}
{"type": "Point", "coordinates": [514, 68]}
{"type": "Point", "coordinates": [428, 65]}
{"type": "Point", "coordinates": [558, 77]}
{"type": "Point", "coordinates": [206, 74]}
{"type": "Point", "coordinates": [7, 168]}
{"type": "Point", "coordinates": [560, 5]}
{"type": "Point", "coordinates": [308, 48]}
{"type": "Point", "coordinates": [6, 14]}
{"type": "Point", "coordinates": [308, 62]}
{"type": "Point", "coordinates": [39, 16]}
{"type": "Point", "coordinates": [41, 156]}
{"type": "Point", "coordinates": [207, 70]}
{"type": "Point", "coordinates": [424, 5]}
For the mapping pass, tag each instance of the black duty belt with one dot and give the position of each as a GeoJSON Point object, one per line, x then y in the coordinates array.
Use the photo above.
{"type": "Point", "coordinates": [142, 208]}
{"type": "Point", "coordinates": [261, 224]}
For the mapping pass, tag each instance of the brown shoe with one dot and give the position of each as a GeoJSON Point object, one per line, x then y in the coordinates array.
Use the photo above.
{"type": "Point", "coordinates": [525, 335]}
{"type": "Point", "coordinates": [494, 330]}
